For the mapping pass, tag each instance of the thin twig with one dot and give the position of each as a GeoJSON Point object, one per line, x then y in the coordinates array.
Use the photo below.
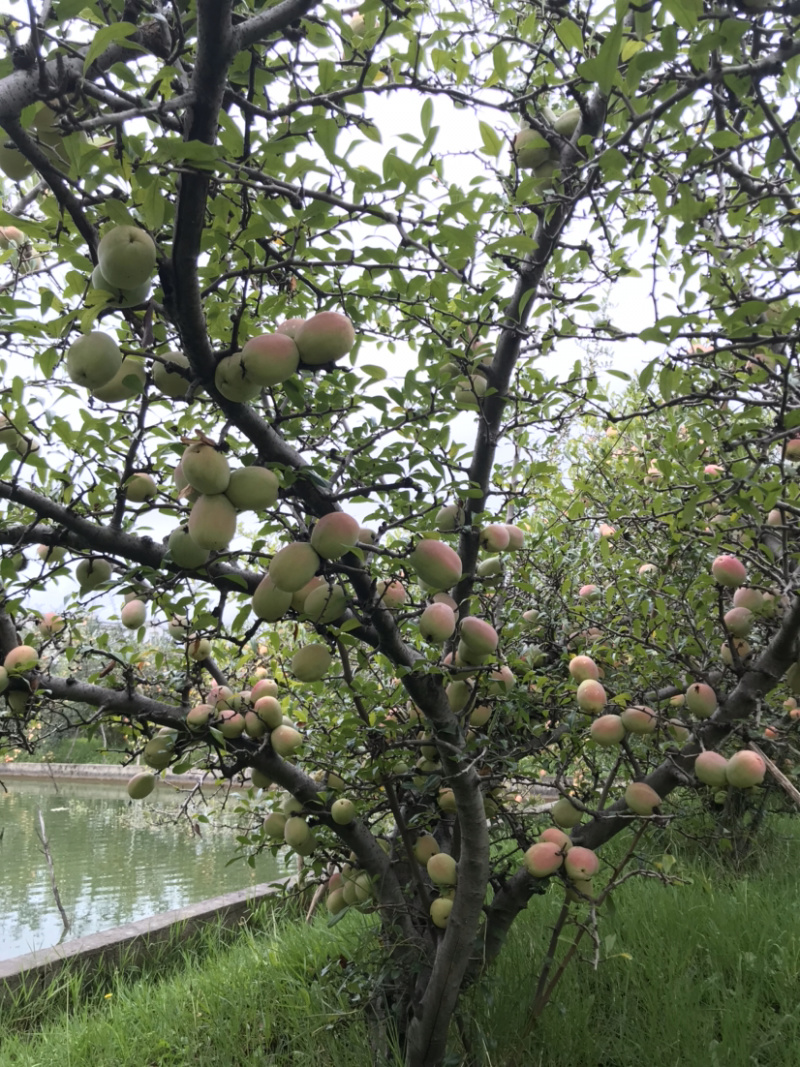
{"type": "Point", "coordinates": [46, 850]}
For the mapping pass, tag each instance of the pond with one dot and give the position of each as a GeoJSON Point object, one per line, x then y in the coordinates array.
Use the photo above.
{"type": "Point", "coordinates": [115, 861]}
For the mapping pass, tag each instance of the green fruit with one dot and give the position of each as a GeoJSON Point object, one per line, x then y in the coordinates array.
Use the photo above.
{"type": "Point", "coordinates": [128, 382]}
{"type": "Point", "coordinates": [93, 360]}
{"type": "Point", "coordinates": [126, 256]}
{"type": "Point", "coordinates": [92, 572]}
{"type": "Point", "coordinates": [565, 813]}
{"type": "Point", "coordinates": [205, 468]}
{"type": "Point", "coordinates": [325, 604]}
{"type": "Point", "coordinates": [311, 663]}
{"type": "Point", "coordinates": [252, 489]}
{"type": "Point", "coordinates": [261, 781]}
{"type": "Point", "coordinates": [343, 811]}
{"type": "Point", "coordinates": [269, 602]}
{"type": "Point", "coordinates": [440, 911]}
{"type": "Point", "coordinates": [185, 552]}
{"type": "Point", "coordinates": [324, 338]}
{"type": "Point", "coordinates": [141, 785]}
{"type": "Point", "coordinates": [442, 869]}
{"type": "Point", "coordinates": [425, 847]}
{"type": "Point", "coordinates": [567, 122]}
{"type": "Point", "coordinates": [711, 769]}
{"type": "Point", "coordinates": [172, 383]}
{"type": "Point", "coordinates": [296, 831]}
{"type": "Point", "coordinates": [120, 298]}
{"type": "Point", "coordinates": [294, 566]}
{"type": "Point", "coordinates": [530, 149]}
{"type": "Point", "coordinates": [230, 380]}
{"type": "Point", "coordinates": [275, 824]}
{"type": "Point", "coordinates": [335, 901]}
{"type": "Point", "coordinates": [212, 522]}
{"type": "Point", "coordinates": [158, 752]}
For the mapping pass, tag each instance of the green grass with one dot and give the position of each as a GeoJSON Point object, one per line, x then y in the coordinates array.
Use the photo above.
{"type": "Point", "coordinates": [273, 997]}
{"type": "Point", "coordinates": [701, 974]}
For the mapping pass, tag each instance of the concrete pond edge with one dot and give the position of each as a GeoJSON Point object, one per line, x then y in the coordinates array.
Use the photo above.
{"type": "Point", "coordinates": [133, 941]}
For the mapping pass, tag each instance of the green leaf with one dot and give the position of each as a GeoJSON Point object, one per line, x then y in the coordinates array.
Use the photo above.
{"type": "Point", "coordinates": [603, 68]}
{"type": "Point", "coordinates": [108, 35]}
{"type": "Point", "coordinates": [426, 115]}
{"type": "Point", "coordinates": [685, 12]}
{"type": "Point", "coordinates": [376, 373]}
{"type": "Point", "coordinates": [646, 375]}
{"type": "Point", "coordinates": [569, 33]}
{"type": "Point", "coordinates": [630, 48]}
{"type": "Point", "coordinates": [724, 139]}
{"type": "Point", "coordinates": [492, 142]}
{"type": "Point", "coordinates": [500, 63]}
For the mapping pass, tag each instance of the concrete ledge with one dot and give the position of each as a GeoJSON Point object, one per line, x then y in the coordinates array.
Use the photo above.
{"type": "Point", "coordinates": [97, 772]}
{"type": "Point", "coordinates": [133, 941]}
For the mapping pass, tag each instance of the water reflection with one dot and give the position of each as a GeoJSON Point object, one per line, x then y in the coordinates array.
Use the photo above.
{"type": "Point", "coordinates": [115, 861]}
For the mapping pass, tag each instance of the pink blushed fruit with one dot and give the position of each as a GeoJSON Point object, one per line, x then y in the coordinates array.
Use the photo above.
{"type": "Point", "coordinates": [639, 720]}
{"type": "Point", "coordinates": [270, 359]}
{"type": "Point", "coordinates": [436, 564]}
{"type": "Point", "coordinates": [437, 623]}
{"type": "Point", "coordinates": [582, 668]}
{"type": "Point", "coordinates": [608, 730]}
{"type": "Point", "coordinates": [552, 833]}
{"type": "Point", "coordinates": [641, 798]}
{"type": "Point", "coordinates": [494, 538]}
{"type": "Point", "coordinates": [479, 636]}
{"type": "Point", "coordinates": [581, 863]}
{"type": "Point", "coordinates": [745, 597]}
{"type": "Point", "coordinates": [334, 535]}
{"type": "Point", "coordinates": [591, 696]}
{"type": "Point", "coordinates": [701, 700]}
{"type": "Point", "coordinates": [710, 768]}
{"type": "Point", "coordinates": [543, 859]}
{"type": "Point", "coordinates": [324, 338]}
{"type": "Point", "coordinates": [729, 571]}
{"type": "Point", "coordinates": [739, 621]}
{"type": "Point", "coordinates": [745, 769]}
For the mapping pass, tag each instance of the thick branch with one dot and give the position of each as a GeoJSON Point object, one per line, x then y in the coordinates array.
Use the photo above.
{"type": "Point", "coordinates": [270, 22]}
{"type": "Point", "coordinates": [83, 535]}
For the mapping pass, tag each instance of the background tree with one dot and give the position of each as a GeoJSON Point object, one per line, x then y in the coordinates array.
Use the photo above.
{"type": "Point", "coordinates": [185, 179]}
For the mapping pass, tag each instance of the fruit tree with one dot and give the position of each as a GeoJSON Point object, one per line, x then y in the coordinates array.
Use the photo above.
{"type": "Point", "coordinates": [428, 373]}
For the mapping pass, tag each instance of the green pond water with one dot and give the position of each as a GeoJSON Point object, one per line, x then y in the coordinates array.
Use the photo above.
{"type": "Point", "coordinates": [115, 860]}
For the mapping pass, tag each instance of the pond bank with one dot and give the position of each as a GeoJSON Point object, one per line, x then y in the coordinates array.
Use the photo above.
{"type": "Point", "coordinates": [132, 940]}
{"type": "Point", "coordinates": [97, 772]}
